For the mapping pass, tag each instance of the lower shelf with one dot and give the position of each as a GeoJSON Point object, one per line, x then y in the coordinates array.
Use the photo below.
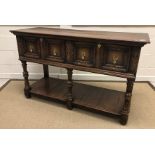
{"type": "Point", "coordinates": [85, 96]}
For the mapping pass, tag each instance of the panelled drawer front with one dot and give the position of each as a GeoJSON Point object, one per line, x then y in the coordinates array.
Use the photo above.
{"type": "Point", "coordinates": [84, 54]}
{"type": "Point", "coordinates": [31, 47]}
{"type": "Point", "coordinates": [115, 57]}
{"type": "Point", "coordinates": [55, 50]}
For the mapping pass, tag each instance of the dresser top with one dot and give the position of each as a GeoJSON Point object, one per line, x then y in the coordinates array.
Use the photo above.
{"type": "Point", "coordinates": [118, 36]}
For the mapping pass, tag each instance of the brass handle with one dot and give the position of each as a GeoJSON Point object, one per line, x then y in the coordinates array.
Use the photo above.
{"type": "Point", "coordinates": [54, 52]}
{"type": "Point", "coordinates": [115, 59]}
{"type": "Point", "coordinates": [99, 45]}
{"type": "Point", "coordinates": [83, 55]}
{"type": "Point", "coordinates": [31, 48]}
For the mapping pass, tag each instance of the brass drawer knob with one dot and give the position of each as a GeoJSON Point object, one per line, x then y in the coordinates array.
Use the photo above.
{"type": "Point", "coordinates": [31, 48]}
{"type": "Point", "coordinates": [115, 59]}
{"type": "Point", "coordinates": [54, 52]}
{"type": "Point", "coordinates": [99, 45]}
{"type": "Point", "coordinates": [83, 55]}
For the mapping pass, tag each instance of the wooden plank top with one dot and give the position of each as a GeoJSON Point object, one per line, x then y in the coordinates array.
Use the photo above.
{"type": "Point", "coordinates": [105, 35]}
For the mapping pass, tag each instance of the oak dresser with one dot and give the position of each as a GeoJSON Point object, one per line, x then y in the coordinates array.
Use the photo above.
{"type": "Point", "coordinates": [109, 53]}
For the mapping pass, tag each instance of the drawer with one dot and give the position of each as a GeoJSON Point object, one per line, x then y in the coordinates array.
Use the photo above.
{"type": "Point", "coordinates": [31, 47]}
{"type": "Point", "coordinates": [115, 57]}
{"type": "Point", "coordinates": [84, 54]}
{"type": "Point", "coordinates": [55, 50]}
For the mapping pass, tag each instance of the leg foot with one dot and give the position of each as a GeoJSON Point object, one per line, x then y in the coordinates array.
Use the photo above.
{"type": "Point", "coordinates": [124, 119]}
{"type": "Point", "coordinates": [70, 106]}
{"type": "Point", "coordinates": [27, 93]}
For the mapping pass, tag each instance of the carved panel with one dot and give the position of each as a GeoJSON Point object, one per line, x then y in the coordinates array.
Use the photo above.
{"type": "Point", "coordinates": [55, 50]}
{"type": "Point", "coordinates": [84, 54]}
{"type": "Point", "coordinates": [31, 47]}
{"type": "Point", "coordinates": [116, 58]}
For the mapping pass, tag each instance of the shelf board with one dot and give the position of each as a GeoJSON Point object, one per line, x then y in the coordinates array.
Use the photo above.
{"type": "Point", "coordinates": [88, 97]}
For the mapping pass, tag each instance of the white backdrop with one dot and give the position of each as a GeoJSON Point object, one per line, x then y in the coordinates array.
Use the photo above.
{"type": "Point", "coordinates": [10, 66]}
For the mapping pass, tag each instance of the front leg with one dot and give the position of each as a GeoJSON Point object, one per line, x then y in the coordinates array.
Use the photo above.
{"type": "Point", "coordinates": [126, 107]}
{"type": "Point", "coordinates": [69, 94]}
{"type": "Point", "coordinates": [46, 71]}
{"type": "Point", "coordinates": [27, 87]}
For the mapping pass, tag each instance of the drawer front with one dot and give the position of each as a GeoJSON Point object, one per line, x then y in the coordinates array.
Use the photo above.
{"type": "Point", "coordinates": [55, 50]}
{"type": "Point", "coordinates": [84, 54]}
{"type": "Point", "coordinates": [116, 58]}
{"type": "Point", "coordinates": [31, 47]}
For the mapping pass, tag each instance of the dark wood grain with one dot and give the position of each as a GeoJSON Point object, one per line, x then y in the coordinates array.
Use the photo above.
{"type": "Point", "coordinates": [85, 96]}
{"type": "Point", "coordinates": [46, 71]}
{"type": "Point", "coordinates": [82, 68]}
{"type": "Point", "coordinates": [126, 107]}
{"type": "Point", "coordinates": [52, 88]}
{"type": "Point", "coordinates": [121, 36]}
{"type": "Point", "coordinates": [109, 53]}
{"type": "Point", "coordinates": [69, 85]}
{"type": "Point", "coordinates": [27, 87]}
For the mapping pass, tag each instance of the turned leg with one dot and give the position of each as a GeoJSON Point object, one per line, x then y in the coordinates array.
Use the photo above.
{"type": "Point", "coordinates": [25, 74]}
{"type": "Point", "coordinates": [46, 72]}
{"type": "Point", "coordinates": [69, 84]}
{"type": "Point", "coordinates": [126, 108]}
